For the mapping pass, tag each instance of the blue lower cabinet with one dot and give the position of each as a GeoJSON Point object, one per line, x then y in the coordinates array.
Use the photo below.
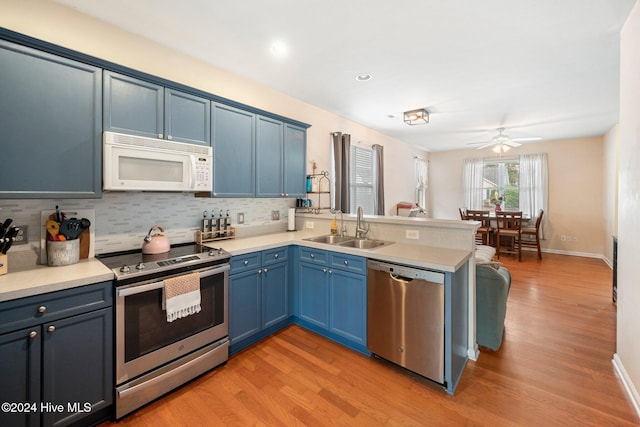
{"type": "Point", "coordinates": [348, 293]}
{"type": "Point", "coordinates": [57, 349]}
{"type": "Point", "coordinates": [331, 296]}
{"type": "Point", "coordinates": [314, 294]}
{"type": "Point", "coordinates": [258, 296]}
{"type": "Point", "coordinates": [244, 305]}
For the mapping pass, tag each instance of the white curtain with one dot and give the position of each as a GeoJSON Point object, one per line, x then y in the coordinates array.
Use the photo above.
{"type": "Point", "coordinates": [378, 179]}
{"type": "Point", "coordinates": [472, 184]}
{"type": "Point", "coordinates": [534, 185]}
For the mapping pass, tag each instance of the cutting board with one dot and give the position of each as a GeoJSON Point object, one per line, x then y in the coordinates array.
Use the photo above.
{"type": "Point", "coordinates": [87, 238]}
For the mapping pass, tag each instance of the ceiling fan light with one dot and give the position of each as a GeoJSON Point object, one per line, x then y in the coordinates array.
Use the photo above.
{"type": "Point", "coordinates": [501, 148]}
{"type": "Point", "coordinates": [416, 117]}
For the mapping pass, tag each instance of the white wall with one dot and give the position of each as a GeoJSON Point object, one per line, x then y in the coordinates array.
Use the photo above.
{"type": "Point", "coordinates": [610, 196]}
{"type": "Point", "coordinates": [627, 358]}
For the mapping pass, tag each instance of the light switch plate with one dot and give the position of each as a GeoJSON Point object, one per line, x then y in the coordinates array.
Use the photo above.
{"type": "Point", "coordinates": [240, 218]}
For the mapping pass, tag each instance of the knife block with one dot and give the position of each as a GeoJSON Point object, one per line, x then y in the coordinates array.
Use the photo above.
{"type": "Point", "coordinates": [4, 264]}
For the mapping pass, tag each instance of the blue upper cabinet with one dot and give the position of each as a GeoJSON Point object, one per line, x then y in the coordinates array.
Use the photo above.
{"type": "Point", "coordinates": [270, 157]}
{"type": "Point", "coordinates": [50, 125]}
{"type": "Point", "coordinates": [280, 159]}
{"type": "Point", "coordinates": [133, 106]}
{"type": "Point", "coordinates": [142, 108]}
{"type": "Point", "coordinates": [187, 117]}
{"type": "Point", "coordinates": [295, 155]}
{"type": "Point", "coordinates": [233, 152]}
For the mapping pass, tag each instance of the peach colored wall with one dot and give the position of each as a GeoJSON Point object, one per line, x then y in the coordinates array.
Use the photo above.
{"type": "Point", "coordinates": [63, 26]}
{"type": "Point", "coordinates": [575, 190]}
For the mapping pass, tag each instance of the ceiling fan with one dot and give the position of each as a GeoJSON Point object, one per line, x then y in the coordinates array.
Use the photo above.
{"type": "Point", "coordinates": [502, 143]}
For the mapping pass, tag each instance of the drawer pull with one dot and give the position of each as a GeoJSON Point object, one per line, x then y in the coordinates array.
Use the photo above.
{"type": "Point", "coordinates": [265, 270]}
{"type": "Point", "coordinates": [33, 334]}
{"type": "Point", "coordinates": [346, 262]}
{"type": "Point", "coordinates": [260, 271]}
{"type": "Point", "coordinates": [276, 256]}
{"type": "Point", "coordinates": [42, 309]}
{"type": "Point", "coordinates": [324, 270]}
{"type": "Point", "coordinates": [312, 256]}
{"type": "Point", "coordinates": [246, 262]}
{"type": "Point", "coordinates": [51, 329]}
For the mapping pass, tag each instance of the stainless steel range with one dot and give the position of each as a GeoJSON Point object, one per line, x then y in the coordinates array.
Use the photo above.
{"type": "Point", "coordinates": [154, 356]}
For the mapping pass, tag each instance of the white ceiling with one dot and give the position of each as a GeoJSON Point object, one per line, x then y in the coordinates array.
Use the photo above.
{"type": "Point", "coordinates": [544, 68]}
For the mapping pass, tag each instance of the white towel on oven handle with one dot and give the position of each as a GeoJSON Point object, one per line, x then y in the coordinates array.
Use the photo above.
{"type": "Point", "coordinates": [181, 296]}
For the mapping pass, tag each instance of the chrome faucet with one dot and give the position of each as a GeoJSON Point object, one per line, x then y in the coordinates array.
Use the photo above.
{"type": "Point", "coordinates": [361, 233]}
{"type": "Point", "coordinates": [342, 230]}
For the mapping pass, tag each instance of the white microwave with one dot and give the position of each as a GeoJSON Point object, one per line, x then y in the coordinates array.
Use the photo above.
{"type": "Point", "coordinates": [136, 163]}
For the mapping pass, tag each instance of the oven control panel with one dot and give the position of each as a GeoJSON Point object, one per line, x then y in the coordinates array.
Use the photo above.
{"type": "Point", "coordinates": [177, 260]}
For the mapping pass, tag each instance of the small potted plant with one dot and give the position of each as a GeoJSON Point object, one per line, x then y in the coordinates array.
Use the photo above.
{"type": "Point", "coordinates": [497, 200]}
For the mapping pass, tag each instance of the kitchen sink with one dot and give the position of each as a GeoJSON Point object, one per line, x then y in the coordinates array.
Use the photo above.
{"type": "Point", "coordinates": [364, 243]}
{"type": "Point", "coordinates": [329, 239]}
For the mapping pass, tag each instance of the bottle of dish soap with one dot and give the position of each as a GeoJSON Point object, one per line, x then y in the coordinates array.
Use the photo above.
{"type": "Point", "coordinates": [334, 228]}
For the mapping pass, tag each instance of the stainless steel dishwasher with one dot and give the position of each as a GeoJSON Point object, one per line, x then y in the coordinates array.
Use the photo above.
{"type": "Point", "coordinates": [405, 317]}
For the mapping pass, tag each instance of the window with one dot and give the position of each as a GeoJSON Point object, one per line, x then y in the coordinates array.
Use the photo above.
{"type": "Point", "coordinates": [518, 183]}
{"type": "Point", "coordinates": [501, 184]}
{"type": "Point", "coordinates": [361, 179]}
{"type": "Point", "coordinates": [421, 182]}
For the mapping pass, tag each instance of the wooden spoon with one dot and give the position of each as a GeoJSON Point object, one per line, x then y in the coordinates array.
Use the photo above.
{"type": "Point", "coordinates": [53, 228]}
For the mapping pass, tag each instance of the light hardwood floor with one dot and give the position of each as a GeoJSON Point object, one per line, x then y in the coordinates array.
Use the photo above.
{"type": "Point", "coordinates": [554, 369]}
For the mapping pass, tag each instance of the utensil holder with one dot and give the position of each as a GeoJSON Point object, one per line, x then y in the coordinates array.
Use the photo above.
{"type": "Point", "coordinates": [63, 253]}
{"type": "Point", "coordinates": [4, 264]}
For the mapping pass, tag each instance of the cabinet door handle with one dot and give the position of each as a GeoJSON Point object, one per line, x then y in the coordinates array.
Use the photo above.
{"type": "Point", "coordinates": [42, 309]}
{"type": "Point", "coordinates": [312, 256]}
{"type": "Point", "coordinates": [51, 329]}
{"type": "Point", "coordinates": [265, 270]}
{"type": "Point", "coordinates": [330, 272]}
{"type": "Point", "coordinates": [346, 262]}
{"type": "Point", "coordinates": [246, 262]}
{"type": "Point", "coordinates": [161, 136]}
{"type": "Point", "coordinates": [286, 194]}
{"type": "Point", "coordinates": [281, 194]}
{"type": "Point", "coordinates": [169, 137]}
{"type": "Point", "coordinates": [33, 334]}
{"type": "Point", "coordinates": [260, 271]}
{"type": "Point", "coordinates": [324, 270]}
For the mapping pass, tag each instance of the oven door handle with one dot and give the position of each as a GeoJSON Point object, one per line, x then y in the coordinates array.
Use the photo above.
{"type": "Point", "coordinates": [138, 289]}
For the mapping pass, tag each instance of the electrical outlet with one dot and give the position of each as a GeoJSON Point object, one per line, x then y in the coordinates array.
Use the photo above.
{"type": "Point", "coordinates": [240, 218]}
{"type": "Point", "coordinates": [275, 215]}
{"type": "Point", "coordinates": [563, 238]}
{"type": "Point", "coordinates": [308, 224]}
{"type": "Point", "coordinates": [21, 238]}
{"type": "Point", "coordinates": [412, 234]}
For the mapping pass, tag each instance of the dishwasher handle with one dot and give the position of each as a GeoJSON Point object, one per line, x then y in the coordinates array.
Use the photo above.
{"type": "Point", "coordinates": [399, 278]}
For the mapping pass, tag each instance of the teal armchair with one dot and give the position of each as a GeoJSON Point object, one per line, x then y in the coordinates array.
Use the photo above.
{"type": "Point", "coordinates": [492, 290]}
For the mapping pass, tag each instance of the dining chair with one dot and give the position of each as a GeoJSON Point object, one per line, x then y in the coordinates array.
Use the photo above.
{"type": "Point", "coordinates": [484, 232]}
{"type": "Point", "coordinates": [463, 213]}
{"type": "Point", "coordinates": [531, 235]}
{"type": "Point", "coordinates": [509, 224]}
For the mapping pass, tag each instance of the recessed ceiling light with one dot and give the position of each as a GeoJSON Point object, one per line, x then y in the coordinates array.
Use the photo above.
{"type": "Point", "coordinates": [363, 77]}
{"type": "Point", "coordinates": [278, 48]}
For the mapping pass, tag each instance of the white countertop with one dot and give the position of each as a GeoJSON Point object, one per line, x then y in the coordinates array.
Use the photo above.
{"type": "Point", "coordinates": [43, 279]}
{"type": "Point", "coordinates": [448, 260]}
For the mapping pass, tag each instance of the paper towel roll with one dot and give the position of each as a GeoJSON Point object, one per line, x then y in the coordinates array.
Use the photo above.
{"type": "Point", "coordinates": [291, 226]}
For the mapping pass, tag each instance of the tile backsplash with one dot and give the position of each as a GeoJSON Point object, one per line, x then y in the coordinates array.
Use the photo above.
{"type": "Point", "coordinates": [123, 219]}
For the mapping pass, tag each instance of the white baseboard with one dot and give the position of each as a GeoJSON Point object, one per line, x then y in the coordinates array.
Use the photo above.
{"type": "Point", "coordinates": [473, 353]}
{"type": "Point", "coordinates": [628, 384]}
{"type": "Point", "coordinates": [573, 253]}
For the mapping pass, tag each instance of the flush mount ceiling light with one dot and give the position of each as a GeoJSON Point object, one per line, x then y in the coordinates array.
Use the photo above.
{"type": "Point", "coordinates": [364, 77]}
{"type": "Point", "coordinates": [416, 117]}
